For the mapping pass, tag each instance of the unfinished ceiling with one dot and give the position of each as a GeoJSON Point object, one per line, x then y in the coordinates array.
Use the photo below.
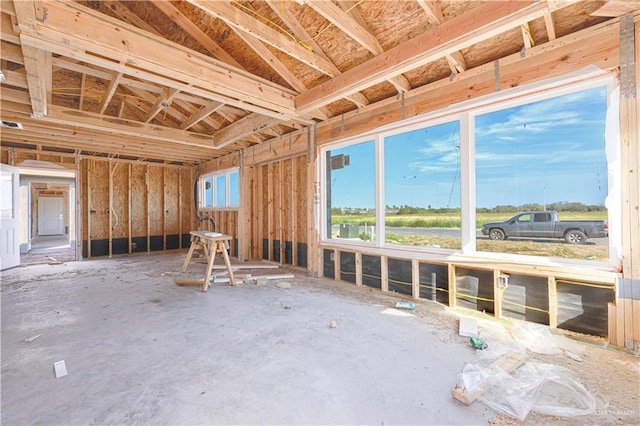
{"type": "Point", "coordinates": [190, 81]}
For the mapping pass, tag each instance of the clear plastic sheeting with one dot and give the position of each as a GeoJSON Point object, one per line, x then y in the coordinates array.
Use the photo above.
{"type": "Point", "coordinates": [543, 388]}
{"type": "Point", "coordinates": [533, 386]}
{"type": "Point", "coordinates": [539, 339]}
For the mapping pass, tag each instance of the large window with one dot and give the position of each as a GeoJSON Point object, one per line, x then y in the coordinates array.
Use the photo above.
{"type": "Point", "coordinates": [432, 183]}
{"type": "Point", "coordinates": [547, 155]}
{"type": "Point", "coordinates": [351, 192]}
{"type": "Point", "coordinates": [422, 186]}
{"type": "Point", "coordinates": [219, 190]}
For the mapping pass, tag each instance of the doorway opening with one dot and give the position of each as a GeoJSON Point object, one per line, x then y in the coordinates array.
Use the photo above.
{"type": "Point", "coordinates": [47, 209]}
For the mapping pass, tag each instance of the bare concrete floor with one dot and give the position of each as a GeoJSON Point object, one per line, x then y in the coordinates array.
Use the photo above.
{"type": "Point", "coordinates": [141, 350]}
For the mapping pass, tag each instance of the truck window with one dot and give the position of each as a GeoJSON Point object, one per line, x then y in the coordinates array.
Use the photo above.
{"type": "Point", "coordinates": [524, 218]}
{"type": "Point", "coordinates": [542, 217]}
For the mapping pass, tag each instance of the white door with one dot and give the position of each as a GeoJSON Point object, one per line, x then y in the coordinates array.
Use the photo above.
{"type": "Point", "coordinates": [50, 221]}
{"type": "Point", "coordinates": [10, 221]}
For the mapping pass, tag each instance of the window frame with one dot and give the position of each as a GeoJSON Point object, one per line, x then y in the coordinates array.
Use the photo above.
{"type": "Point", "coordinates": [466, 112]}
{"type": "Point", "coordinates": [214, 176]}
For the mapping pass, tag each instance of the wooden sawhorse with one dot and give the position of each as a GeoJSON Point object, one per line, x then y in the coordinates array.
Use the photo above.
{"type": "Point", "coordinates": [211, 243]}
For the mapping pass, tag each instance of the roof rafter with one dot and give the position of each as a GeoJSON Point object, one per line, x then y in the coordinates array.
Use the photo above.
{"type": "Point", "coordinates": [235, 18]}
{"type": "Point", "coordinates": [194, 31]}
{"type": "Point", "coordinates": [301, 34]}
{"type": "Point", "coordinates": [357, 31]}
{"type": "Point", "coordinates": [434, 13]}
{"type": "Point", "coordinates": [480, 23]}
{"type": "Point", "coordinates": [201, 115]}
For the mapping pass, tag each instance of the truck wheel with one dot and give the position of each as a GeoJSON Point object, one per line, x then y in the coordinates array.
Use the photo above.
{"type": "Point", "coordinates": [575, 237]}
{"type": "Point", "coordinates": [497, 234]}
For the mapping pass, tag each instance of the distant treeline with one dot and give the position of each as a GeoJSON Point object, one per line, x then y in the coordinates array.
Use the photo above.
{"type": "Point", "coordinates": [561, 206]}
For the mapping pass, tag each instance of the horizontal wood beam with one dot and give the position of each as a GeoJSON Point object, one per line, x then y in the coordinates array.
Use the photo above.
{"type": "Point", "coordinates": [62, 136]}
{"type": "Point", "coordinates": [119, 126]}
{"type": "Point", "coordinates": [94, 38]}
{"type": "Point", "coordinates": [594, 46]}
{"type": "Point", "coordinates": [481, 23]}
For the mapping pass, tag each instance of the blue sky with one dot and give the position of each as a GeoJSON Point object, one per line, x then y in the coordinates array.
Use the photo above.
{"type": "Point", "coordinates": [543, 152]}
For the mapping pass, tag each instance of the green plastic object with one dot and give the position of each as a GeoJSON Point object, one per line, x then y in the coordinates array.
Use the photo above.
{"type": "Point", "coordinates": [405, 305]}
{"type": "Point", "coordinates": [477, 343]}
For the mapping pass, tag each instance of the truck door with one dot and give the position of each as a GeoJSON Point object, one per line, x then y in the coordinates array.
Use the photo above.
{"type": "Point", "coordinates": [522, 226]}
{"type": "Point", "coordinates": [543, 225]}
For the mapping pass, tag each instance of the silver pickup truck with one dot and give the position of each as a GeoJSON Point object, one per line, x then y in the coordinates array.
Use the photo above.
{"type": "Point", "coordinates": [546, 225]}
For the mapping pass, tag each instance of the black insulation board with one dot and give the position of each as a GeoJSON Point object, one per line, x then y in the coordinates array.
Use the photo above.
{"type": "Point", "coordinates": [348, 266]}
{"type": "Point", "coordinates": [139, 244]}
{"type": "Point", "coordinates": [583, 309]}
{"type": "Point", "coordinates": [302, 254]}
{"type": "Point", "coordinates": [120, 246]}
{"type": "Point", "coordinates": [525, 297]}
{"type": "Point", "coordinates": [371, 271]}
{"type": "Point", "coordinates": [328, 264]}
{"type": "Point", "coordinates": [441, 290]}
{"type": "Point", "coordinates": [288, 252]}
{"type": "Point", "coordinates": [98, 248]}
{"type": "Point", "coordinates": [265, 249]}
{"type": "Point", "coordinates": [173, 241]}
{"type": "Point", "coordinates": [478, 283]}
{"type": "Point", "coordinates": [400, 276]}
{"type": "Point", "coordinates": [186, 240]}
{"type": "Point", "coordinates": [235, 247]}
{"type": "Point", "coordinates": [156, 242]}
{"type": "Point", "coordinates": [276, 250]}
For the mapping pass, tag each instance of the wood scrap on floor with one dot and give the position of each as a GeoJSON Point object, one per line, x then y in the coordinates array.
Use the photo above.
{"type": "Point", "coordinates": [507, 363]}
{"type": "Point", "coordinates": [236, 266]}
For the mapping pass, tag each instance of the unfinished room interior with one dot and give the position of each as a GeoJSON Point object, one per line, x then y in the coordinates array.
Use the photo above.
{"type": "Point", "coordinates": [320, 212]}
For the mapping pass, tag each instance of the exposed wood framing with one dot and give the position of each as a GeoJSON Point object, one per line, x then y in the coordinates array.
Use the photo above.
{"type": "Point", "coordinates": [178, 17]}
{"type": "Point", "coordinates": [177, 65]}
{"type": "Point", "coordinates": [455, 59]}
{"type": "Point", "coordinates": [37, 62]}
{"type": "Point", "coordinates": [487, 20]}
{"type": "Point", "coordinates": [357, 31]}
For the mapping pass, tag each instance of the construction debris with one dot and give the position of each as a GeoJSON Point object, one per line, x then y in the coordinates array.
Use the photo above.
{"type": "Point", "coordinates": [60, 369]}
{"type": "Point", "coordinates": [283, 284]}
{"type": "Point", "coordinates": [246, 266]}
{"type": "Point", "coordinates": [468, 327]}
{"type": "Point", "coordinates": [401, 304]}
{"type": "Point", "coordinates": [469, 392]}
{"type": "Point", "coordinates": [32, 338]}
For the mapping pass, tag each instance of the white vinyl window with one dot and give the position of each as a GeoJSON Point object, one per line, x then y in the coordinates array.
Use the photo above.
{"type": "Point", "coordinates": [433, 181]}
{"type": "Point", "coordinates": [219, 189]}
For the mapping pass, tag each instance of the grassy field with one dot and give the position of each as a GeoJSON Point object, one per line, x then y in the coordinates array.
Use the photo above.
{"type": "Point", "coordinates": [448, 220]}
{"type": "Point", "coordinates": [525, 247]}
{"type": "Point", "coordinates": [452, 220]}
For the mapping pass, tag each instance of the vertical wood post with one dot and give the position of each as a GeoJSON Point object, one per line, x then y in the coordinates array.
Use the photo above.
{"type": "Point", "coordinates": [89, 163]}
{"type": "Point", "coordinates": [146, 183]}
{"type": "Point", "coordinates": [180, 207]}
{"type": "Point", "coordinates": [452, 286]}
{"type": "Point", "coordinates": [110, 211]}
{"type": "Point", "coordinates": [384, 273]}
{"type": "Point", "coordinates": [553, 302]}
{"type": "Point", "coordinates": [129, 204]}
{"type": "Point", "coordinates": [415, 278]}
